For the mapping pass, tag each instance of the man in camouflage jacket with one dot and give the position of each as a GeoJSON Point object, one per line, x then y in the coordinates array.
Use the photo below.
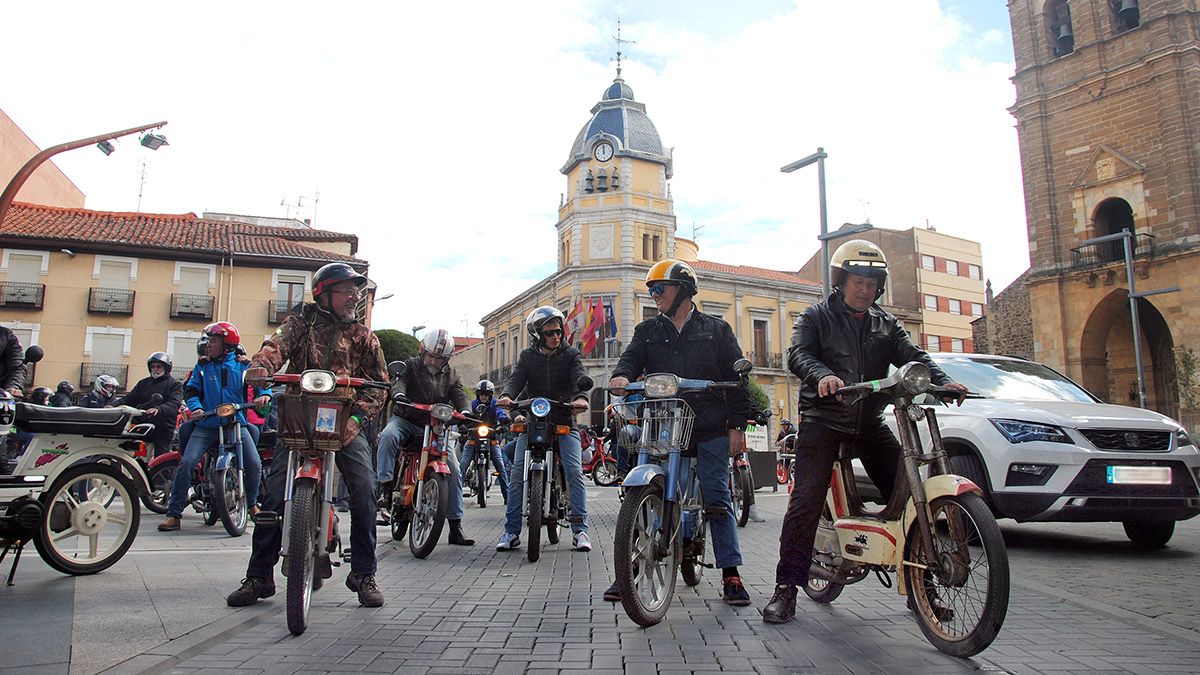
{"type": "Point", "coordinates": [325, 335]}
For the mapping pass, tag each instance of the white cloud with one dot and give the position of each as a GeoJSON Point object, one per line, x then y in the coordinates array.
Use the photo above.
{"type": "Point", "coordinates": [435, 131]}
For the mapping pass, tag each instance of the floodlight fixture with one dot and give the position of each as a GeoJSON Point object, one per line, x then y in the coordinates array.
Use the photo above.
{"type": "Point", "coordinates": [153, 141]}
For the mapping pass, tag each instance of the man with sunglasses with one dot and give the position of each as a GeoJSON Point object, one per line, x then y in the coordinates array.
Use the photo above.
{"type": "Point", "coordinates": [689, 343]}
{"type": "Point", "coordinates": [550, 369]}
{"type": "Point", "coordinates": [428, 378]}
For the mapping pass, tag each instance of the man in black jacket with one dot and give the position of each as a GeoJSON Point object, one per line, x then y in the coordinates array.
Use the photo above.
{"type": "Point", "coordinates": [62, 397]}
{"type": "Point", "coordinates": [12, 360]}
{"type": "Point", "coordinates": [846, 339]}
{"type": "Point", "coordinates": [162, 383]}
{"type": "Point", "coordinates": [685, 341]}
{"type": "Point", "coordinates": [549, 369]}
{"type": "Point", "coordinates": [428, 378]}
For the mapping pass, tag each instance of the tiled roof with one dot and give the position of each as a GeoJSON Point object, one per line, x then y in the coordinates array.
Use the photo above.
{"type": "Point", "coordinates": [176, 232]}
{"type": "Point", "coordinates": [754, 272]}
{"type": "Point", "coordinates": [461, 343]}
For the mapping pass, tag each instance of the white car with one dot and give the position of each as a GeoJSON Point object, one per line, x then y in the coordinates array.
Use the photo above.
{"type": "Point", "coordinates": [1045, 449]}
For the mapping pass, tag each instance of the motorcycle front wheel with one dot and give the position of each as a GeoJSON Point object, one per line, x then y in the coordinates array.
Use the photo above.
{"type": "Point", "coordinates": [229, 500]}
{"type": "Point", "coordinates": [646, 581]}
{"type": "Point", "coordinates": [481, 484]}
{"type": "Point", "coordinates": [303, 532]}
{"type": "Point", "coordinates": [428, 516]}
{"type": "Point", "coordinates": [604, 473]}
{"type": "Point", "coordinates": [781, 472]}
{"type": "Point", "coordinates": [553, 509]}
{"type": "Point", "coordinates": [91, 519]}
{"type": "Point", "coordinates": [536, 488]}
{"type": "Point", "coordinates": [959, 591]}
{"type": "Point", "coordinates": [160, 479]}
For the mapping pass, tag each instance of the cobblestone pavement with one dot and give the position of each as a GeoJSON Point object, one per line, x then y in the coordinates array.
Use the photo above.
{"type": "Point", "coordinates": [1083, 600]}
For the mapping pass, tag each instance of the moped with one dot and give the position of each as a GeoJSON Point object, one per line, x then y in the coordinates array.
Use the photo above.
{"type": "Point", "coordinates": [477, 478]}
{"type": "Point", "coordinates": [936, 533]}
{"type": "Point", "coordinates": [601, 466]}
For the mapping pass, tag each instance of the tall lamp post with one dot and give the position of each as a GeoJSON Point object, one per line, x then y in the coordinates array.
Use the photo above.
{"type": "Point", "coordinates": [417, 328]}
{"type": "Point", "coordinates": [152, 141]}
{"type": "Point", "coordinates": [818, 157]}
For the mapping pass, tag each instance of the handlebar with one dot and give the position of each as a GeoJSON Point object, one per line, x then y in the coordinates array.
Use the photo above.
{"type": "Point", "coordinates": [339, 381]}
{"type": "Point", "coordinates": [427, 408]}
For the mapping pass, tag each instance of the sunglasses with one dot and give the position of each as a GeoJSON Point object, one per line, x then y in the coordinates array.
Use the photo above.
{"type": "Point", "coordinates": [661, 287]}
{"type": "Point", "coordinates": [553, 332]}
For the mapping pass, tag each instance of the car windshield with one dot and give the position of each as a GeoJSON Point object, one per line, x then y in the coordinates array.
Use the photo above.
{"type": "Point", "coordinates": [1013, 380]}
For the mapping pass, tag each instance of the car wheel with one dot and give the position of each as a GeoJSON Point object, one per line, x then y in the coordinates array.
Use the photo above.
{"type": "Point", "coordinates": [1149, 534]}
{"type": "Point", "coordinates": [968, 467]}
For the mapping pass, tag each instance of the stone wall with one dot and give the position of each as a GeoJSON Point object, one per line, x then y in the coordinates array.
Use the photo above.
{"type": "Point", "coordinates": [1006, 327]}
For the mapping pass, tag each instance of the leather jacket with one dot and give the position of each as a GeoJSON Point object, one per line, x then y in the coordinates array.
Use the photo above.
{"type": "Point", "coordinates": [422, 386]}
{"type": "Point", "coordinates": [827, 339]}
{"type": "Point", "coordinates": [553, 376]}
{"type": "Point", "coordinates": [12, 360]}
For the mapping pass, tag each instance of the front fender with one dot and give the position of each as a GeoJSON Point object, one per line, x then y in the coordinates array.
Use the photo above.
{"type": "Point", "coordinates": [942, 485]}
{"type": "Point", "coordinates": [224, 460]}
{"type": "Point", "coordinates": [129, 466]}
{"type": "Point", "coordinates": [440, 466]}
{"type": "Point", "coordinates": [642, 475]}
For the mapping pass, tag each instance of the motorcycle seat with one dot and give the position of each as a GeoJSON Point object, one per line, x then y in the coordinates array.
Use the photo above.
{"type": "Point", "coordinates": [104, 422]}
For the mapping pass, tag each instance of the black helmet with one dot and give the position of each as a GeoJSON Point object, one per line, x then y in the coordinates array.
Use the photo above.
{"type": "Point", "coordinates": [485, 387]}
{"type": "Point", "coordinates": [332, 274]}
{"type": "Point", "coordinates": [41, 396]}
{"type": "Point", "coordinates": [538, 318]}
{"type": "Point", "coordinates": [161, 357]}
{"type": "Point", "coordinates": [66, 387]}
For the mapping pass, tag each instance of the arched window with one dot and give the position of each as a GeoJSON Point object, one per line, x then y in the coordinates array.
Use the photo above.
{"type": "Point", "coordinates": [1112, 216]}
{"type": "Point", "coordinates": [1058, 19]}
{"type": "Point", "coordinates": [1126, 14]}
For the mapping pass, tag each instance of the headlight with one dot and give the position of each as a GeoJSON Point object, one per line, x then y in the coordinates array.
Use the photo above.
{"type": "Point", "coordinates": [915, 377]}
{"type": "Point", "coordinates": [540, 407]}
{"type": "Point", "coordinates": [1182, 440]}
{"type": "Point", "coordinates": [8, 411]}
{"type": "Point", "coordinates": [317, 381]}
{"type": "Point", "coordinates": [1017, 431]}
{"type": "Point", "coordinates": [483, 431]}
{"type": "Point", "coordinates": [442, 411]}
{"type": "Point", "coordinates": [662, 385]}
{"type": "Point", "coordinates": [226, 410]}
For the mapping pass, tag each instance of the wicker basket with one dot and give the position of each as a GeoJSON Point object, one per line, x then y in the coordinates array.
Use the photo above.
{"type": "Point", "coordinates": [312, 422]}
{"type": "Point", "coordinates": [666, 423]}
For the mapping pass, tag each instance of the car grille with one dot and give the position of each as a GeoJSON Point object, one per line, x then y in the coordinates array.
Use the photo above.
{"type": "Point", "coordinates": [1091, 481]}
{"type": "Point", "coordinates": [1128, 440]}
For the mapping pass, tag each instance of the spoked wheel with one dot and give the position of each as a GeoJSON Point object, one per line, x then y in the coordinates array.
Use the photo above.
{"type": "Point", "coordinates": [554, 509]}
{"type": "Point", "coordinates": [229, 500]}
{"type": "Point", "coordinates": [739, 491]}
{"type": "Point", "coordinates": [92, 517]}
{"type": "Point", "coordinates": [428, 516]}
{"type": "Point", "coordinates": [820, 590]}
{"type": "Point", "coordinates": [304, 531]}
{"type": "Point", "coordinates": [536, 488]}
{"type": "Point", "coordinates": [960, 591]}
{"type": "Point", "coordinates": [481, 485]}
{"type": "Point", "coordinates": [160, 479]}
{"type": "Point", "coordinates": [692, 566]}
{"type": "Point", "coordinates": [781, 473]}
{"type": "Point", "coordinates": [604, 474]}
{"type": "Point", "coordinates": [646, 580]}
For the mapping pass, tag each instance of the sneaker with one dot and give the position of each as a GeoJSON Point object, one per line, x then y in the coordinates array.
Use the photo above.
{"type": "Point", "coordinates": [755, 516]}
{"type": "Point", "coordinates": [253, 588]}
{"type": "Point", "coordinates": [735, 593]}
{"type": "Point", "coordinates": [581, 542]}
{"type": "Point", "coordinates": [368, 591]}
{"type": "Point", "coordinates": [782, 606]}
{"type": "Point", "coordinates": [508, 542]}
{"type": "Point", "coordinates": [612, 594]}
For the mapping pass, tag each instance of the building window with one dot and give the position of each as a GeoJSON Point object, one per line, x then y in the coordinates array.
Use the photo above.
{"type": "Point", "coordinates": [933, 343]}
{"type": "Point", "coordinates": [931, 302]}
{"type": "Point", "coordinates": [1126, 14]}
{"type": "Point", "coordinates": [1062, 37]}
{"type": "Point", "coordinates": [952, 267]}
{"type": "Point", "coordinates": [505, 363]}
{"type": "Point", "coordinates": [657, 251]}
{"type": "Point", "coordinates": [956, 345]}
{"type": "Point", "coordinates": [977, 309]}
{"type": "Point", "coordinates": [289, 291]}
{"type": "Point", "coordinates": [955, 306]}
{"type": "Point", "coordinates": [928, 263]}
{"type": "Point", "coordinates": [646, 247]}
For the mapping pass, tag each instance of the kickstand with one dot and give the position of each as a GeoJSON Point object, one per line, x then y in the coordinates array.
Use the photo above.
{"type": "Point", "coordinates": [20, 546]}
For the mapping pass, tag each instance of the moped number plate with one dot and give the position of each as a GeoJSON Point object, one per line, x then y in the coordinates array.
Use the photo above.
{"type": "Point", "coordinates": [1139, 475]}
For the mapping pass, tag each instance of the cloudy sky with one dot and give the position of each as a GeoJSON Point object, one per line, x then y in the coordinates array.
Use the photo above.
{"type": "Point", "coordinates": [435, 131]}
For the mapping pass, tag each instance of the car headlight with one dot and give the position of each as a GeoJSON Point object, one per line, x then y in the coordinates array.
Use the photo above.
{"type": "Point", "coordinates": [540, 407]}
{"type": "Point", "coordinates": [1182, 440]}
{"type": "Point", "coordinates": [1017, 431]}
{"type": "Point", "coordinates": [662, 385]}
{"type": "Point", "coordinates": [442, 411]}
{"type": "Point", "coordinates": [483, 431]}
{"type": "Point", "coordinates": [317, 381]}
{"type": "Point", "coordinates": [915, 377]}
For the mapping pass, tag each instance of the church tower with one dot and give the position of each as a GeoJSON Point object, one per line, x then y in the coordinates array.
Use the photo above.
{"type": "Point", "coordinates": [1108, 117]}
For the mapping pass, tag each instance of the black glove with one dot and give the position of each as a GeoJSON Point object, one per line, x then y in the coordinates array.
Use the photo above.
{"type": "Point", "coordinates": [401, 398]}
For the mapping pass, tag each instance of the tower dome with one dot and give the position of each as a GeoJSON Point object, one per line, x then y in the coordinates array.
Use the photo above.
{"type": "Point", "coordinates": [623, 122]}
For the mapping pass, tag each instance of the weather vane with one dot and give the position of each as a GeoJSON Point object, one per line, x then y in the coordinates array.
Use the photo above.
{"type": "Point", "coordinates": [620, 42]}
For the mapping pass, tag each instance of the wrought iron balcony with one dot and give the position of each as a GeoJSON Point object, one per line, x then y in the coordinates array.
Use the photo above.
{"type": "Point", "coordinates": [277, 311]}
{"type": "Point", "coordinates": [19, 295]}
{"type": "Point", "coordinates": [1107, 252]}
{"type": "Point", "coordinates": [766, 359]}
{"type": "Point", "coordinates": [88, 372]}
{"type": "Point", "coordinates": [185, 306]}
{"type": "Point", "coordinates": [615, 348]}
{"type": "Point", "coordinates": [110, 301]}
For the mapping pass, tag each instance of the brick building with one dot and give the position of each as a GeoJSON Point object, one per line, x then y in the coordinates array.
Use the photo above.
{"type": "Point", "coordinates": [1106, 110]}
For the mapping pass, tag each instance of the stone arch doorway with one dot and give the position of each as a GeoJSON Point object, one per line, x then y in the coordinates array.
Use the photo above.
{"type": "Point", "coordinates": [1113, 215]}
{"type": "Point", "coordinates": [1109, 365]}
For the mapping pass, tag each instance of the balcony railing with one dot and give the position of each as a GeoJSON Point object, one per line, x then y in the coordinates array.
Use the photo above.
{"type": "Point", "coordinates": [110, 301]}
{"type": "Point", "coordinates": [185, 306]}
{"type": "Point", "coordinates": [88, 372]}
{"type": "Point", "coordinates": [19, 295]}
{"type": "Point", "coordinates": [277, 311]}
{"type": "Point", "coordinates": [615, 348]}
{"type": "Point", "coordinates": [766, 359]}
{"type": "Point", "coordinates": [1103, 253]}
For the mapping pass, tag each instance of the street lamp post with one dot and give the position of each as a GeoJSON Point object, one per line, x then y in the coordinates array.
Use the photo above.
{"type": "Point", "coordinates": [818, 157]}
{"type": "Point", "coordinates": [10, 192]}
{"type": "Point", "coordinates": [415, 329]}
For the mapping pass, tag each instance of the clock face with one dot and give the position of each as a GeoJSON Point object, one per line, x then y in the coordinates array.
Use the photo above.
{"type": "Point", "coordinates": [603, 152]}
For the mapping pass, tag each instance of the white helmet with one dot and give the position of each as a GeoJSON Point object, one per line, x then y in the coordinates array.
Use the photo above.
{"type": "Point", "coordinates": [438, 342]}
{"type": "Point", "coordinates": [861, 258]}
{"type": "Point", "coordinates": [108, 383]}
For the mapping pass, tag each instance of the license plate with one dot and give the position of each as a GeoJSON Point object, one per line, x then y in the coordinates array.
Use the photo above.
{"type": "Point", "coordinates": [1139, 475]}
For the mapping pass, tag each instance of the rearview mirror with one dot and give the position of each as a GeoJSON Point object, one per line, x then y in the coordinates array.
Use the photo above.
{"type": "Point", "coordinates": [583, 383]}
{"type": "Point", "coordinates": [34, 354]}
{"type": "Point", "coordinates": [397, 369]}
{"type": "Point", "coordinates": [742, 366]}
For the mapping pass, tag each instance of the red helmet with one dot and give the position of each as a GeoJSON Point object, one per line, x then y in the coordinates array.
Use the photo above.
{"type": "Point", "coordinates": [228, 333]}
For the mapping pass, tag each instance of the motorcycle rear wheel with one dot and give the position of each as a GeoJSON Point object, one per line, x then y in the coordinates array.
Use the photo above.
{"type": "Point", "coordinates": [160, 479]}
{"type": "Point", "coordinates": [741, 491]}
{"type": "Point", "coordinates": [302, 550]}
{"type": "Point", "coordinates": [968, 545]}
{"type": "Point", "coordinates": [646, 583]}
{"type": "Point", "coordinates": [229, 500]}
{"type": "Point", "coordinates": [85, 536]}
{"type": "Point", "coordinates": [536, 488]}
{"type": "Point", "coordinates": [820, 590]}
{"type": "Point", "coordinates": [428, 516]}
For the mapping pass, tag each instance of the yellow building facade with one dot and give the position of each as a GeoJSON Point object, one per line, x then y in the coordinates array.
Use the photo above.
{"type": "Point", "coordinates": [618, 219]}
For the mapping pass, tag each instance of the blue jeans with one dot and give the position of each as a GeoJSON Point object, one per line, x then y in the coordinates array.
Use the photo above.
{"type": "Point", "coordinates": [497, 456]}
{"type": "Point", "coordinates": [201, 439]}
{"type": "Point", "coordinates": [712, 466]}
{"type": "Point", "coordinates": [396, 435]}
{"type": "Point", "coordinates": [509, 449]}
{"type": "Point", "coordinates": [569, 449]}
